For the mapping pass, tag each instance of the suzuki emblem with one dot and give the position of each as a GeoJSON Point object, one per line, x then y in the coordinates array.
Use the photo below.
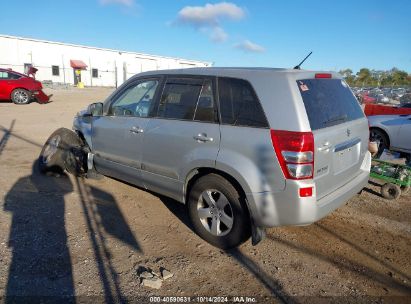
{"type": "Point", "coordinates": [348, 132]}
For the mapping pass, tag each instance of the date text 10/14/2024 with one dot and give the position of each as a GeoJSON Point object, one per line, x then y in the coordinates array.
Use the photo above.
{"type": "Point", "coordinates": [202, 299]}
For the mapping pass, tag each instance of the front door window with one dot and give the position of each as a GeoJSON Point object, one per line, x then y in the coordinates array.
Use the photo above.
{"type": "Point", "coordinates": [136, 100]}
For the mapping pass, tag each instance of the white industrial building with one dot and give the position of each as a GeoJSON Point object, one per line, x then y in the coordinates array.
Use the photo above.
{"type": "Point", "coordinates": [69, 63]}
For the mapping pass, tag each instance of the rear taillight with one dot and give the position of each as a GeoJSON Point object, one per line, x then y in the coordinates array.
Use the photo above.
{"type": "Point", "coordinates": [323, 75]}
{"type": "Point", "coordinates": [295, 152]}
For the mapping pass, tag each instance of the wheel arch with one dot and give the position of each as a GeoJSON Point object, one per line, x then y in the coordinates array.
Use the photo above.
{"type": "Point", "coordinates": [382, 131]}
{"type": "Point", "coordinates": [197, 173]}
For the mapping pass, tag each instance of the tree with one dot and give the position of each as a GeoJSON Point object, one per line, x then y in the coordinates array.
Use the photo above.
{"type": "Point", "coordinates": [399, 77]}
{"type": "Point", "coordinates": [348, 76]}
{"type": "Point", "coordinates": [367, 77]}
{"type": "Point", "coordinates": [364, 77]}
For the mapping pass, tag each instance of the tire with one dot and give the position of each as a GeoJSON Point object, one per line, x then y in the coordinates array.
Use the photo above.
{"type": "Point", "coordinates": [218, 199]}
{"type": "Point", "coordinates": [382, 140]}
{"type": "Point", "coordinates": [390, 191]}
{"type": "Point", "coordinates": [405, 189]}
{"type": "Point", "coordinates": [63, 150]}
{"type": "Point", "coordinates": [20, 96]}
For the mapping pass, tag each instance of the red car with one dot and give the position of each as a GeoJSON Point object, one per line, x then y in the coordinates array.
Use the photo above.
{"type": "Point", "coordinates": [20, 88]}
{"type": "Point", "coordinates": [366, 99]}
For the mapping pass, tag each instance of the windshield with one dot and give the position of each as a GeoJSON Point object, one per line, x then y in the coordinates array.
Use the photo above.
{"type": "Point", "coordinates": [328, 102]}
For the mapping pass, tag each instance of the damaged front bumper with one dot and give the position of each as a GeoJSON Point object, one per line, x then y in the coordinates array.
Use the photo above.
{"type": "Point", "coordinates": [40, 96]}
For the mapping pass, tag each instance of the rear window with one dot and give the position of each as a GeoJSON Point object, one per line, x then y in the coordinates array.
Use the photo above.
{"type": "Point", "coordinates": [328, 102]}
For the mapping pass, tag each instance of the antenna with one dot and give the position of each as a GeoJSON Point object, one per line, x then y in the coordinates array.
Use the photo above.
{"type": "Point", "coordinates": [298, 67]}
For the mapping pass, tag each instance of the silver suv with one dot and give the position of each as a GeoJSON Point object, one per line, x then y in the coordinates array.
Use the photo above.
{"type": "Point", "coordinates": [243, 148]}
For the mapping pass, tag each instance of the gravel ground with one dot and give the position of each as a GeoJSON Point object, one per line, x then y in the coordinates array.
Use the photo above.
{"type": "Point", "coordinates": [62, 236]}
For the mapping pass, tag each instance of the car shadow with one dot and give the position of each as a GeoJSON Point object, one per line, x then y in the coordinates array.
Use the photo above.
{"type": "Point", "coordinates": [270, 283]}
{"type": "Point", "coordinates": [41, 267]}
{"type": "Point", "coordinates": [345, 262]}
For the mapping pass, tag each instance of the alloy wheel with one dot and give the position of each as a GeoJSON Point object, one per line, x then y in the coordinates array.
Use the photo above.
{"type": "Point", "coordinates": [215, 212]}
{"type": "Point", "coordinates": [21, 97]}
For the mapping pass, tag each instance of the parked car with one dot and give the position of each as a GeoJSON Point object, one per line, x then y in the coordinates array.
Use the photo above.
{"type": "Point", "coordinates": [405, 106]}
{"type": "Point", "coordinates": [20, 88]}
{"type": "Point", "coordinates": [379, 97]}
{"type": "Point", "coordinates": [398, 93]}
{"type": "Point", "coordinates": [405, 99]}
{"type": "Point", "coordinates": [391, 132]}
{"type": "Point", "coordinates": [244, 148]}
{"type": "Point", "coordinates": [366, 98]}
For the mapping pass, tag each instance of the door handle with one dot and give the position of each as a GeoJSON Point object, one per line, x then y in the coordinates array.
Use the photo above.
{"type": "Point", "coordinates": [326, 146]}
{"type": "Point", "coordinates": [136, 130]}
{"type": "Point", "coordinates": [202, 137]}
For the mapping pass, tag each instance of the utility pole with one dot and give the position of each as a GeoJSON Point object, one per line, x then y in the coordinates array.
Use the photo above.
{"type": "Point", "coordinates": [115, 72]}
{"type": "Point", "coordinates": [64, 69]}
{"type": "Point", "coordinates": [91, 72]}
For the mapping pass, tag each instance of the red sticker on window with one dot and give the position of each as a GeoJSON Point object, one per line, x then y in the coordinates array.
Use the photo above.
{"type": "Point", "coordinates": [303, 87]}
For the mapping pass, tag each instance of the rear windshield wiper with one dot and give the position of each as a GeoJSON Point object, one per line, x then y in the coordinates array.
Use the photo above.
{"type": "Point", "coordinates": [335, 119]}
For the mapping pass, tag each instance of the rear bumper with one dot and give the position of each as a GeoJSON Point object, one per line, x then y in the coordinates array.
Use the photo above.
{"type": "Point", "coordinates": [287, 208]}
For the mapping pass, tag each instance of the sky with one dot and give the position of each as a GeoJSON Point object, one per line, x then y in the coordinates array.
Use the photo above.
{"type": "Point", "coordinates": [269, 33]}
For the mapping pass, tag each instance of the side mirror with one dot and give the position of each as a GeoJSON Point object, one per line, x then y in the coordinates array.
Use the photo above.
{"type": "Point", "coordinates": [95, 109]}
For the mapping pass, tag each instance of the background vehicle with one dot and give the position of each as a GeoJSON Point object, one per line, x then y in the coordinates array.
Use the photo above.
{"type": "Point", "coordinates": [405, 99]}
{"type": "Point", "coordinates": [244, 148]}
{"type": "Point", "coordinates": [398, 93]}
{"type": "Point", "coordinates": [391, 132]}
{"type": "Point", "coordinates": [405, 106]}
{"type": "Point", "coordinates": [20, 88]}
{"type": "Point", "coordinates": [366, 98]}
{"type": "Point", "coordinates": [379, 97]}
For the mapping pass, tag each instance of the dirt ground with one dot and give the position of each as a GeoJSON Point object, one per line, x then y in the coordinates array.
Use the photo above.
{"type": "Point", "coordinates": [62, 236]}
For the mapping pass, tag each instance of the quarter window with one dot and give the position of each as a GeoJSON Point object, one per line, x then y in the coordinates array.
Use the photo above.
{"type": "Point", "coordinates": [55, 70]}
{"type": "Point", "coordinates": [14, 76]}
{"type": "Point", "coordinates": [239, 104]}
{"type": "Point", "coordinates": [137, 100]}
{"type": "Point", "coordinates": [179, 99]}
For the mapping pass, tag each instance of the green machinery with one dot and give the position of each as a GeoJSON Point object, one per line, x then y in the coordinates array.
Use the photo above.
{"type": "Point", "coordinates": [397, 178]}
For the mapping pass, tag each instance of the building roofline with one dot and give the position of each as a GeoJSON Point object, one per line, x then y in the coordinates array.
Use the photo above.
{"type": "Point", "coordinates": [103, 49]}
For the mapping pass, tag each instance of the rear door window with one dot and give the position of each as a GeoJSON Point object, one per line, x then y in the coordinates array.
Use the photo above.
{"type": "Point", "coordinates": [328, 102]}
{"type": "Point", "coordinates": [239, 104]}
{"type": "Point", "coordinates": [188, 99]}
